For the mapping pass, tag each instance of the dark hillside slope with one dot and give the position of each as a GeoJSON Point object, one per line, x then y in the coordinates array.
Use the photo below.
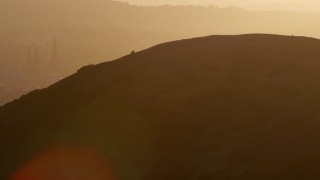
{"type": "Point", "coordinates": [218, 107]}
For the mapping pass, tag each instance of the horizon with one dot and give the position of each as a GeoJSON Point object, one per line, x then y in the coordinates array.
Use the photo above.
{"type": "Point", "coordinates": [252, 5]}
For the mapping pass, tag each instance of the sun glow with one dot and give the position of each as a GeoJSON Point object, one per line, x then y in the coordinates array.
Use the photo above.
{"type": "Point", "coordinates": [66, 163]}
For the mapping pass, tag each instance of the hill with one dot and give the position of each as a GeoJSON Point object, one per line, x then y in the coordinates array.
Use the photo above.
{"type": "Point", "coordinates": [216, 107]}
{"type": "Point", "coordinates": [90, 31]}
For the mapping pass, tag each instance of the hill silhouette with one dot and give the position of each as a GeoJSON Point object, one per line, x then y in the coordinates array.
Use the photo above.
{"type": "Point", "coordinates": [216, 107]}
{"type": "Point", "coordinates": [90, 31]}
{"type": "Point", "coordinates": [93, 30]}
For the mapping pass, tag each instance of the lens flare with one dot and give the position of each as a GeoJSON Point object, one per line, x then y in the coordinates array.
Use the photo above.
{"type": "Point", "coordinates": [66, 163]}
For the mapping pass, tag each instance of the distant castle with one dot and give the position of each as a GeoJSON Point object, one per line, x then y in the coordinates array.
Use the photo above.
{"type": "Point", "coordinates": [34, 65]}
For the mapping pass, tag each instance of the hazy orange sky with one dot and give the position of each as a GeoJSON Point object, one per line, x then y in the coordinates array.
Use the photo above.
{"type": "Point", "coordinates": [291, 5]}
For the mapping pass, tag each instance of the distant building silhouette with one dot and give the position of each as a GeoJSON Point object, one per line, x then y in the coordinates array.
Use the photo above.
{"type": "Point", "coordinates": [32, 63]}
{"type": "Point", "coordinates": [35, 59]}
{"type": "Point", "coordinates": [29, 56]}
{"type": "Point", "coordinates": [54, 58]}
{"type": "Point", "coordinates": [35, 65]}
{"type": "Point", "coordinates": [35, 62]}
{"type": "Point", "coordinates": [27, 66]}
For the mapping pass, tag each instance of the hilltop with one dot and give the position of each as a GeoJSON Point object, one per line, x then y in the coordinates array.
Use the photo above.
{"type": "Point", "coordinates": [216, 107]}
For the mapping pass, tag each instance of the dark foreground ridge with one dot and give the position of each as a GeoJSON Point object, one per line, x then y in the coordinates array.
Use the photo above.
{"type": "Point", "coordinates": [219, 107]}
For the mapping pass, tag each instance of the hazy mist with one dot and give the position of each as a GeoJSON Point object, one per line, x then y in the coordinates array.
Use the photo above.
{"type": "Point", "coordinates": [288, 5]}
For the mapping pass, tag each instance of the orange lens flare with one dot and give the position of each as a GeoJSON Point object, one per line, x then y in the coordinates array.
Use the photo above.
{"type": "Point", "coordinates": [66, 163]}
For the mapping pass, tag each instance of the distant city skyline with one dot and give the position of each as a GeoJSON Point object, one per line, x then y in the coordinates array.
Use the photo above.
{"type": "Point", "coordinates": [286, 5]}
